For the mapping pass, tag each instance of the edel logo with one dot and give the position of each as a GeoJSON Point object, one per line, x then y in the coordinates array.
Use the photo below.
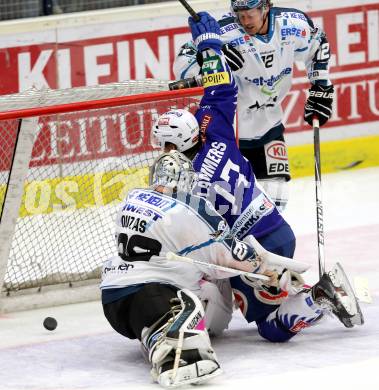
{"type": "Point", "coordinates": [277, 151]}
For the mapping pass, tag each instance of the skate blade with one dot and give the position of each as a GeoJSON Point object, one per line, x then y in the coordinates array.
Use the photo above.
{"type": "Point", "coordinates": [362, 290]}
{"type": "Point", "coordinates": [347, 296]}
{"type": "Point", "coordinates": [191, 374]}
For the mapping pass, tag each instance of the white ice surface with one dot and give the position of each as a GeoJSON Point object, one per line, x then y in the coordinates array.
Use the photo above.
{"type": "Point", "coordinates": [85, 353]}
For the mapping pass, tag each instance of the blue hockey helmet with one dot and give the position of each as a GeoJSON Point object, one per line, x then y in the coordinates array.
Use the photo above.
{"type": "Point", "coordinates": [240, 5]}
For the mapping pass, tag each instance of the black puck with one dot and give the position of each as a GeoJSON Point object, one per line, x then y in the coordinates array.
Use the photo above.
{"type": "Point", "coordinates": [50, 323]}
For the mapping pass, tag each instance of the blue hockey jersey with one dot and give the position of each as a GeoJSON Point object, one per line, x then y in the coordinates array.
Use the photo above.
{"type": "Point", "coordinates": [225, 177]}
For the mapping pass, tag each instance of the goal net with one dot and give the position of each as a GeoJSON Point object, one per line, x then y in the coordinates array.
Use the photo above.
{"type": "Point", "coordinates": [67, 159]}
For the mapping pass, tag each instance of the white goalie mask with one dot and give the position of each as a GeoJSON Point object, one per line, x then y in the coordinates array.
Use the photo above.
{"type": "Point", "coordinates": [178, 127]}
{"type": "Point", "coordinates": [173, 170]}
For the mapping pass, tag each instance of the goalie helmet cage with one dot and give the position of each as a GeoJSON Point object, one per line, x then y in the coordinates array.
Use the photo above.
{"type": "Point", "coordinates": [67, 159]}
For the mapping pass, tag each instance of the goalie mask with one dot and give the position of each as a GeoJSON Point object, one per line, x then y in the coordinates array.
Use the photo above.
{"type": "Point", "coordinates": [178, 127]}
{"type": "Point", "coordinates": [173, 170]}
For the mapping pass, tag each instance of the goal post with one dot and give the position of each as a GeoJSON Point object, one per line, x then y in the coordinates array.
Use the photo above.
{"type": "Point", "coordinates": [67, 159]}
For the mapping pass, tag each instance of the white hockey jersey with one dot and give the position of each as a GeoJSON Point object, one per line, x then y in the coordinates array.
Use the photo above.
{"type": "Point", "coordinates": [266, 75]}
{"type": "Point", "coordinates": [150, 224]}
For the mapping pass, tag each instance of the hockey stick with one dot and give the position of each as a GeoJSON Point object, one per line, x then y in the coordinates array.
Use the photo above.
{"type": "Point", "coordinates": [190, 10]}
{"type": "Point", "coordinates": [174, 256]}
{"type": "Point", "coordinates": [319, 207]}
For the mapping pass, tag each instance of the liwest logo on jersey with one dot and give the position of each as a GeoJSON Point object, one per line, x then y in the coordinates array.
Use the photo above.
{"type": "Point", "coordinates": [240, 40]}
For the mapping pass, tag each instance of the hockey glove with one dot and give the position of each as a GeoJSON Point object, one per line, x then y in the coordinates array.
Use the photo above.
{"type": "Point", "coordinates": [241, 251]}
{"type": "Point", "coordinates": [205, 32]}
{"type": "Point", "coordinates": [319, 103]}
{"type": "Point", "coordinates": [233, 57]}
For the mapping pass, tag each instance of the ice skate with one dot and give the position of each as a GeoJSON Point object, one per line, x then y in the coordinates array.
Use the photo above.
{"type": "Point", "coordinates": [334, 293]}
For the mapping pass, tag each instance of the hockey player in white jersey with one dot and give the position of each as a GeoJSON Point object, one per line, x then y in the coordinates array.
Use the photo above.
{"type": "Point", "coordinates": [261, 44]}
{"type": "Point", "coordinates": [152, 299]}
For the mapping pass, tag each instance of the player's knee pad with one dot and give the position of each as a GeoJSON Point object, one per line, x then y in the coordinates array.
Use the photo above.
{"type": "Point", "coordinates": [277, 189]}
{"type": "Point", "coordinates": [294, 314]}
{"type": "Point", "coordinates": [217, 298]}
{"type": "Point", "coordinates": [180, 351]}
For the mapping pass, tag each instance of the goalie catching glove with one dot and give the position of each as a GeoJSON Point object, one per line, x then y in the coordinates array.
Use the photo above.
{"type": "Point", "coordinates": [319, 104]}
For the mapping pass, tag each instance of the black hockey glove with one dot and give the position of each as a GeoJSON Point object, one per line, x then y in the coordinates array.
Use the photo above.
{"type": "Point", "coordinates": [233, 57]}
{"type": "Point", "coordinates": [319, 103]}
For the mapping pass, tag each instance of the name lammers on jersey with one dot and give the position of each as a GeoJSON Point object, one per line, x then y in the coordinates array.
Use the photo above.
{"type": "Point", "coordinates": [209, 166]}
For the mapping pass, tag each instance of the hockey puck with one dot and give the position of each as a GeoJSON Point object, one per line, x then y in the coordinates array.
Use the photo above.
{"type": "Point", "coordinates": [50, 323]}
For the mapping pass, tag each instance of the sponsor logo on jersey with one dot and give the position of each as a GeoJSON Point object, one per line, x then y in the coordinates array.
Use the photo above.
{"type": "Point", "coordinates": [274, 151]}
{"type": "Point", "coordinates": [271, 81]}
{"type": "Point", "coordinates": [210, 80]}
{"type": "Point", "coordinates": [277, 150]}
{"type": "Point", "coordinates": [239, 41]}
{"type": "Point", "coordinates": [254, 212]}
{"type": "Point", "coordinates": [229, 27]}
{"type": "Point", "coordinates": [293, 31]}
{"type": "Point", "coordinates": [146, 212]}
{"type": "Point", "coordinates": [212, 64]}
{"type": "Point", "coordinates": [299, 326]}
{"type": "Point", "coordinates": [152, 199]}
{"type": "Point", "coordinates": [124, 267]}
{"type": "Point", "coordinates": [294, 15]}
{"type": "Point", "coordinates": [203, 126]}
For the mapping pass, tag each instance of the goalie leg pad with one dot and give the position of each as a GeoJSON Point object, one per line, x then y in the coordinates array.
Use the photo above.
{"type": "Point", "coordinates": [180, 351]}
{"type": "Point", "coordinates": [218, 304]}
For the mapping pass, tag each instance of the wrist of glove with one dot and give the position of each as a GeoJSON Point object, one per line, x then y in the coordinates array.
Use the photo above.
{"type": "Point", "coordinates": [319, 103]}
{"type": "Point", "coordinates": [205, 32]}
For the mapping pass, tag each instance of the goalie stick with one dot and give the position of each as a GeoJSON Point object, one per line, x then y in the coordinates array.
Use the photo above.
{"type": "Point", "coordinates": [174, 256]}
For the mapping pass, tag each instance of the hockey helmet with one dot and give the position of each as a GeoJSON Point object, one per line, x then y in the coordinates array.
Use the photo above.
{"type": "Point", "coordinates": [173, 170]}
{"type": "Point", "coordinates": [178, 127]}
{"type": "Point", "coordinates": [241, 5]}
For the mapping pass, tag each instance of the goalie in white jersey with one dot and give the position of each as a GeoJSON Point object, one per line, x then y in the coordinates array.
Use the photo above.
{"type": "Point", "coordinates": [261, 44]}
{"type": "Point", "coordinates": [147, 297]}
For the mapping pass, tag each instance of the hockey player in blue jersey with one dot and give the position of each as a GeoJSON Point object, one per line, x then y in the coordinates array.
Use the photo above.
{"type": "Point", "coordinates": [227, 180]}
{"type": "Point", "coordinates": [155, 299]}
{"type": "Point", "coordinates": [261, 44]}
